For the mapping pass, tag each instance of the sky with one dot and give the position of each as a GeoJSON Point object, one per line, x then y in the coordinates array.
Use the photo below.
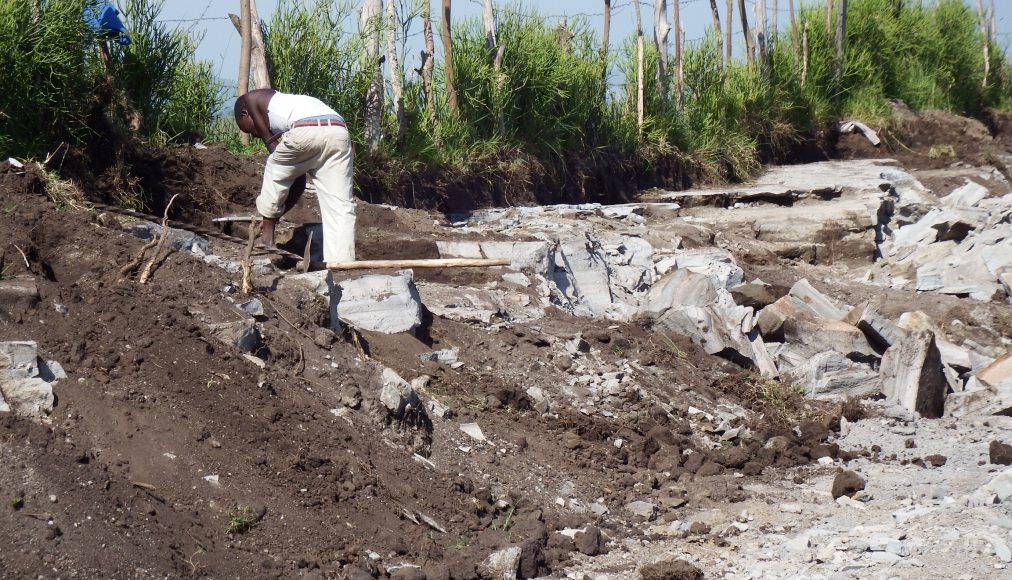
{"type": "Point", "coordinates": [220, 43]}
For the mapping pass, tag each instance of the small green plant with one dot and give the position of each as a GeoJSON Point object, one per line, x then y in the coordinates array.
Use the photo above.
{"type": "Point", "coordinates": [16, 502]}
{"type": "Point", "coordinates": [241, 520]}
{"type": "Point", "coordinates": [937, 151]}
{"type": "Point", "coordinates": [10, 209]}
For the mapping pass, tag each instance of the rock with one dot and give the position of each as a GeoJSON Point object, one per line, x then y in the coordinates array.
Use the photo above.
{"type": "Point", "coordinates": [997, 372]}
{"type": "Point", "coordinates": [584, 278]}
{"type": "Point", "coordinates": [1000, 453]}
{"type": "Point", "coordinates": [396, 394]}
{"type": "Point", "coordinates": [408, 573]}
{"type": "Point", "coordinates": [879, 329]}
{"type": "Point", "coordinates": [252, 307]}
{"type": "Point", "coordinates": [473, 431]}
{"type": "Point", "coordinates": [181, 240]}
{"type": "Point", "coordinates": [771, 318]}
{"type": "Point", "coordinates": [446, 356]}
{"type": "Point", "coordinates": [531, 256]}
{"type": "Point", "coordinates": [380, 303]}
{"type": "Point", "coordinates": [1001, 549]}
{"type": "Point", "coordinates": [18, 290]}
{"type": "Point", "coordinates": [643, 509]}
{"type": "Point", "coordinates": [958, 275]}
{"type": "Point", "coordinates": [813, 336]}
{"type": "Point", "coordinates": [714, 263]}
{"type": "Point", "coordinates": [912, 375]}
{"type": "Point", "coordinates": [936, 460]}
{"type": "Point", "coordinates": [243, 335]}
{"type": "Point", "coordinates": [19, 359]}
{"type": "Point", "coordinates": [980, 402]}
{"type": "Point", "coordinates": [831, 376]}
{"type": "Point", "coordinates": [967, 195]}
{"type": "Point", "coordinates": [670, 570]}
{"type": "Point", "coordinates": [846, 483]}
{"type": "Point", "coordinates": [324, 337]}
{"type": "Point", "coordinates": [501, 565]}
{"type": "Point", "coordinates": [51, 371]}
{"type": "Point", "coordinates": [912, 197]}
{"type": "Point", "coordinates": [676, 289]}
{"type": "Point", "coordinates": [756, 294]}
{"type": "Point", "coordinates": [806, 297]}
{"type": "Point", "coordinates": [590, 542]}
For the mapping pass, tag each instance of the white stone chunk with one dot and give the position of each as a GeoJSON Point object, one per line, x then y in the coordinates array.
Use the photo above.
{"type": "Point", "coordinates": [380, 303]}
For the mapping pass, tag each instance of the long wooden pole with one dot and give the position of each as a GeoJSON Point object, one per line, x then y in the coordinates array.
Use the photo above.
{"type": "Point", "coordinates": [679, 56]}
{"type": "Point", "coordinates": [605, 48]}
{"type": "Point", "coordinates": [258, 57]}
{"type": "Point", "coordinates": [730, 33]}
{"type": "Point", "coordinates": [661, 31]}
{"type": "Point", "coordinates": [829, 22]}
{"type": "Point", "coordinates": [760, 27]}
{"type": "Point", "coordinates": [427, 263]}
{"type": "Point", "coordinates": [749, 41]}
{"type": "Point", "coordinates": [639, 68]}
{"type": "Point", "coordinates": [841, 42]}
{"type": "Point", "coordinates": [427, 66]}
{"type": "Point", "coordinates": [370, 22]}
{"type": "Point", "coordinates": [447, 39]}
{"type": "Point", "coordinates": [716, 28]}
{"type": "Point", "coordinates": [396, 89]}
{"type": "Point", "coordinates": [245, 33]}
{"type": "Point", "coordinates": [985, 27]}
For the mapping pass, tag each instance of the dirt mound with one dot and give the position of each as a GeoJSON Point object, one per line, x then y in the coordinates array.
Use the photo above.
{"type": "Point", "coordinates": [935, 139]}
{"type": "Point", "coordinates": [171, 454]}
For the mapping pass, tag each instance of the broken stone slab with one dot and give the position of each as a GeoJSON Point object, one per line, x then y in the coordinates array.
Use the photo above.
{"type": "Point", "coordinates": [756, 294]}
{"type": "Point", "coordinates": [19, 359]}
{"type": "Point", "coordinates": [243, 335]}
{"type": "Point", "coordinates": [771, 319]}
{"type": "Point", "coordinates": [999, 371]}
{"type": "Point", "coordinates": [582, 276]}
{"type": "Point", "coordinates": [816, 335]}
{"type": "Point", "coordinates": [683, 287]}
{"type": "Point", "coordinates": [396, 394]}
{"type": "Point", "coordinates": [501, 565]}
{"type": "Point", "coordinates": [954, 356]}
{"type": "Point", "coordinates": [533, 256]}
{"type": "Point", "coordinates": [17, 289]}
{"type": "Point", "coordinates": [876, 327]}
{"type": "Point", "coordinates": [479, 306]}
{"type": "Point", "coordinates": [832, 376]}
{"type": "Point", "coordinates": [181, 240]}
{"type": "Point", "coordinates": [968, 195]}
{"type": "Point", "coordinates": [631, 265]}
{"type": "Point", "coordinates": [26, 397]}
{"type": "Point", "coordinates": [807, 297]}
{"type": "Point", "coordinates": [967, 276]}
{"type": "Point", "coordinates": [913, 200]}
{"type": "Point", "coordinates": [643, 509]}
{"type": "Point", "coordinates": [715, 263]}
{"type": "Point", "coordinates": [388, 304]}
{"type": "Point", "coordinates": [981, 401]}
{"type": "Point", "coordinates": [446, 356]}
{"type": "Point", "coordinates": [912, 375]}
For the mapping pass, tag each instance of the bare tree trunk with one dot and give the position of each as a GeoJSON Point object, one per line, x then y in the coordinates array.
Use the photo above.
{"type": "Point", "coordinates": [446, 37]}
{"type": "Point", "coordinates": [749, 41]}
{"type": "Point", "coordinates": [985, 30]}
{"type": "Point", "coordinates": [679, 63]}
{"type": "Point", "coordinates": [661, 31]}
{"type": "Point", "coordinates": [773, 20]}
{"type": "Point", "coordinates": [829, 22]}
{"type": "Point", "coordinates": [727, 39]}
{"type": "Point", "coordinates": [605, 47]}
{"type": "Point", "coordinates": [681, 66]}
{"type": "Point", "coordinates": [790, 8]}
{"type": "Point", "coordinates": [760, 27]}
{"type": "Point", "coordinates": [428, 62]}
{"type": "Point", "coordinates": [841, 41]}
{"type": "Point", "coordinates": [370, 21]}
{"type": "Point", "coordinates": [639, 68]}
{"type": "Point", "coordinates": [261, 75]}
{"type": "Point", "coordinates": [244, 57]}
{"type": "Point", "coordinates": [716, 28]}
{"type": "Point", "coordinates": [496, 53]}
{"type": "Point", "coordinates": [804, 55]}
{"type": "Point", "coordinates": [396, 73]}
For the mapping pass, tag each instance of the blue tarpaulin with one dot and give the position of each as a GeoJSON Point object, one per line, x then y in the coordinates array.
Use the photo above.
{"type": "Point", "coordinates": [103, 19]}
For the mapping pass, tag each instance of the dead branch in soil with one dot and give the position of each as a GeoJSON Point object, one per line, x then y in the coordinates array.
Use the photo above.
{"type": "Point", "coordinates": [283, 317]}
{"type": "Point", "coordinates": [247, 259]}
{"type": "Point", "coordinates": [163, 235]}
{"type": "Point", "coordinates": [23, 256]}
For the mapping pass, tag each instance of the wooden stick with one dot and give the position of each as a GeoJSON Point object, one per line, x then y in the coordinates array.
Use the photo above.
{"type": "Point", "coordinates": [146, 272]}
{"type": "Point", "coordinates": [429, 263]}
{"type": "Point", "coordinates": [247, 260]}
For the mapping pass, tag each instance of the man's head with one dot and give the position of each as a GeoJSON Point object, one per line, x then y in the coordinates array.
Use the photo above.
{"type": "Point", "coordinates": [243, 118]}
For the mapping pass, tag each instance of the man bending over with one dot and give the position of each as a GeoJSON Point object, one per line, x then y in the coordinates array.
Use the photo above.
{"type": "Point", "coordinates": [307, 140]}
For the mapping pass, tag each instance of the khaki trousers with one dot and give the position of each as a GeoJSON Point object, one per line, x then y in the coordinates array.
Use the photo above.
{"type": "Point", "coordinates": [325, 156]}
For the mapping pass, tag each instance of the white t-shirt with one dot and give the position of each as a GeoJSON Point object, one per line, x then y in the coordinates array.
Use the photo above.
{"type": "Point", "coordinates": [285, 109]}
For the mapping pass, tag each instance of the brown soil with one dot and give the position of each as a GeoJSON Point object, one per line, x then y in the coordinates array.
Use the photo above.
{"type": "Point", "coordinates": [154, 403]}
{"type": "Point", "coordinates": [115, 486]}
